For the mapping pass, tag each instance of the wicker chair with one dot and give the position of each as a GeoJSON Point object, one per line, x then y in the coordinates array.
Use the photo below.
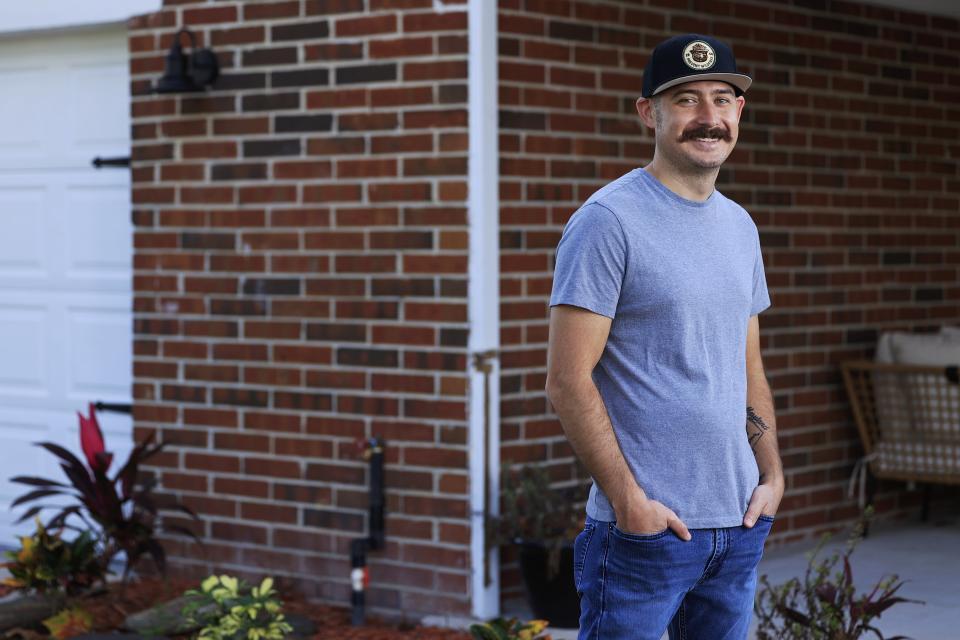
{"type": "Point", "coordinates": [909, 422]}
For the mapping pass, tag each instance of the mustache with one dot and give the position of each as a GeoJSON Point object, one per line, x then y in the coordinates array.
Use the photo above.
{"type": "Point", "coordinates": [719, 133]}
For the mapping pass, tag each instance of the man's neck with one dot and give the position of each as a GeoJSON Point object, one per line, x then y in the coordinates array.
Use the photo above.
{"type": "Point", "coordinates": [697, 187]}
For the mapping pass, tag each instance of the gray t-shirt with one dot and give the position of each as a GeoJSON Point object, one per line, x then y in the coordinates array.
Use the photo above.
{"type": "Point", "coordinates": [680, 279]}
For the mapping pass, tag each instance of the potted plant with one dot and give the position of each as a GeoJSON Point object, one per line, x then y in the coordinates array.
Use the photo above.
{"type": "Point", "coordinates": [542, 521]}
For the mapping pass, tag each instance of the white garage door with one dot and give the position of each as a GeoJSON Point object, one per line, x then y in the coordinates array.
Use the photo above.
{"type": "Point", "coordinates": [65, 249]}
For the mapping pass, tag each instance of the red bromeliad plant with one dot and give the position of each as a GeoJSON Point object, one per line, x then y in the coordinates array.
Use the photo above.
{"type": "Point", "coordinates": [91, 441]}
{"type": "Point", "coordinates": [123, 508]}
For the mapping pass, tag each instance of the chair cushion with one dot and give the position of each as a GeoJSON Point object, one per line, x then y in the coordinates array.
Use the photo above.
{"type": "Point", "coordinates": [919, 348]}
{"type": "Point", "coordinates": [951, 333]}
{"type": "Point", "coordinates": [938, 349]}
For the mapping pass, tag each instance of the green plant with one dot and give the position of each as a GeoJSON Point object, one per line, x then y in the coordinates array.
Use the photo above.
{"type": "Point", "coordinates": [531, 509]}
{"type": "Point", "coordinates": [509, 629]}
{"type": "Point", "coordinates": [69, 623]}
{"type": "Point", "coordinates": [825, 606]}
{"type": "Point", "coordinates": [121, 510]}
{"type": "Point", "coordinates": [46, 562]}
{"type": "Point", "coordinates": [238, 614]}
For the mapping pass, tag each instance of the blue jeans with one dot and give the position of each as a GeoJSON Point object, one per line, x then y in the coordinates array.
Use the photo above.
{"type": "Point", "coordinates": [633, 587]}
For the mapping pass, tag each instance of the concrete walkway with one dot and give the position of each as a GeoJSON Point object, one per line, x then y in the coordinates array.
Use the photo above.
{"type": "Point", "coordinates": [925, 555]}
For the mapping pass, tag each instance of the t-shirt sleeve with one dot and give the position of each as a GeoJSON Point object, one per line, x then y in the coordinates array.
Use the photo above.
{"type": "Point", "coordinates": [591, 261]}
{"type": "Point", "coordinates": [761, 297]}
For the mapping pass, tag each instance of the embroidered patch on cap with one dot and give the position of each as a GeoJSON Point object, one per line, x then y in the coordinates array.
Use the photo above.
{"type": "Point", "coordinates": [699, 55]}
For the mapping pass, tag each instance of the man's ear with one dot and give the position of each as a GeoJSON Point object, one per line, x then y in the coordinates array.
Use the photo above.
{"type": "Point", "coordinates": [645, 111]}
{"type": "Point", "coordinates": [741, 101]}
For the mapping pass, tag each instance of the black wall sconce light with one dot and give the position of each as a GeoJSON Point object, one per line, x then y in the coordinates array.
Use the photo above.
{"type": "Point", "coordinates": [187, 72]}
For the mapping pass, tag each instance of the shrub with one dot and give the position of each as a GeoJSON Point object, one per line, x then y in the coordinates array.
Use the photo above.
{"type": "Point", "coordinates": [509, 629]}
{"type": "Point", "coordinates": [531, 510]}
{"type": "Point", "coordinates": [121, 510]}
{"type": "Point", "coordinates": [825, 607]}
{"type": "Point", "coordinates": [69, 623]}
{"type": "Point", "coordinates": [47, 562]}
{"type": "Point", "coordinates": [238, 614]}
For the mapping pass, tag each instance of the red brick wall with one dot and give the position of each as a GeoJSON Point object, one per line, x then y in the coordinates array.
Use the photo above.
{"type": "Point", "coordinates": [848, 162]}
{"type": "Point", "coordinates": [300, 250]}
{"type": "Point", "coordinates": [300, 282]}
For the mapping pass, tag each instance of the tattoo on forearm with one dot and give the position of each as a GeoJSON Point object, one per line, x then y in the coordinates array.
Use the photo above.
{"type": "Point", "coordinates": [756, 427]}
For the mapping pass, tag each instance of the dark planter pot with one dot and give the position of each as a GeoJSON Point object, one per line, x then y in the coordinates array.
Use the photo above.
{"type": "Point", "coordinates": [555, 598]}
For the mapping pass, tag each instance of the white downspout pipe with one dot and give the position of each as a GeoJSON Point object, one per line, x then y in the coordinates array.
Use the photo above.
{"type": "Point", "coordinates": [484, 300]}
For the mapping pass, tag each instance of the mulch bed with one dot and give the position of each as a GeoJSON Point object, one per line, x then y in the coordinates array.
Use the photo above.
{"type": "Point", "coordinates": [110, 609]}
{"type": "Point", "coordinates": [333, 623]}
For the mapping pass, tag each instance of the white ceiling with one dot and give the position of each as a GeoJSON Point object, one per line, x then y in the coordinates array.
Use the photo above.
{"type": "Point", "coordinates": [943, 7]}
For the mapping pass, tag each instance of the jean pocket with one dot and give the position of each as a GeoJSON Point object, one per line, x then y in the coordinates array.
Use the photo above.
{"type": "Point", "coordinates": [639, 537]}
{"type": "Point", "coordinates": [766, 518]}
{"type": "Point", "coordinates": [580, 547]}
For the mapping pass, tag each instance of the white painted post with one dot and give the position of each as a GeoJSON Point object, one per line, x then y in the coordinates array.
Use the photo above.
{"type": "Point", "coordinates": [484, 298]}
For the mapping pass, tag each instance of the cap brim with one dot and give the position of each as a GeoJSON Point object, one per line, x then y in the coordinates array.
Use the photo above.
{"type": "Point", "coordinates": [738, 80]}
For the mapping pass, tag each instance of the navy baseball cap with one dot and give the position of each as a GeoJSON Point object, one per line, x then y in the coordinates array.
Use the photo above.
{"type": "Point", "coordinates": [690, 58]}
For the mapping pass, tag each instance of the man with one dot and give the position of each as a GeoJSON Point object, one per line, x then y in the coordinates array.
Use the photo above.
{"type": "Point", "coordinates": [654, 369]}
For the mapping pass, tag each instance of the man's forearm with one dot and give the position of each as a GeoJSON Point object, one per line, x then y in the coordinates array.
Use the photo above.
{"type": "Point", "coordinates": [762, 431]}
{"type": "Point", "coordinates": [587, 426]}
